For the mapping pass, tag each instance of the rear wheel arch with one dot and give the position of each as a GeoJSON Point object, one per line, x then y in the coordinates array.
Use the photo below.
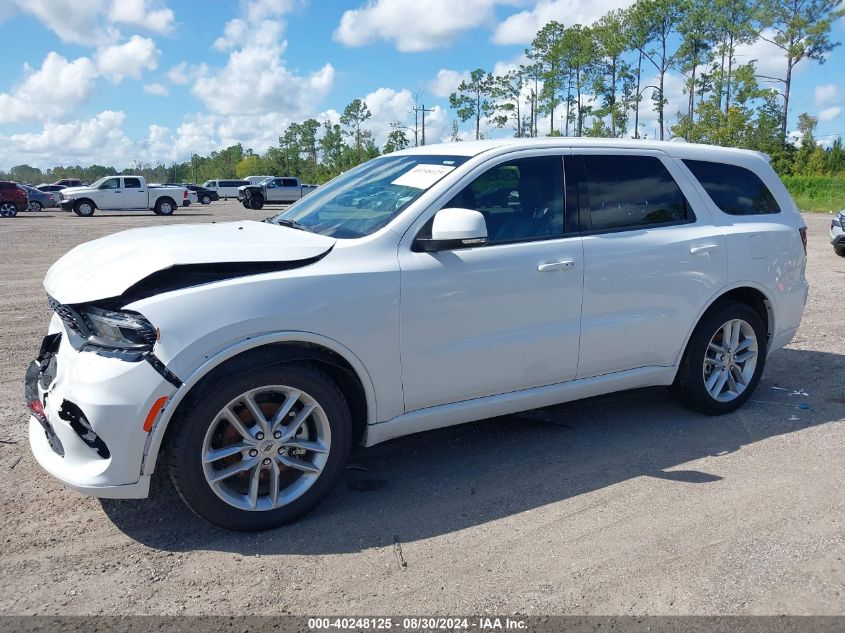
{"type": "Point", "coordinates": [745, 293]}
{"type": "Point", "coordinates": [345, 370]}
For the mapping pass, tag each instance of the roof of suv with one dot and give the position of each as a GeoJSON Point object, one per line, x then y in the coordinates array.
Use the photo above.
{"type": "Point", "coordinates": [679, 149]}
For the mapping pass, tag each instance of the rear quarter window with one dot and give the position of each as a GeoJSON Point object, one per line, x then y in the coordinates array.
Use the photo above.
{"type": "Point", "coordinates": [734, 189]}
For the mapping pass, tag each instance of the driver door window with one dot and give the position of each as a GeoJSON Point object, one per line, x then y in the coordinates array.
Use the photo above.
{"type": "Point", "coordinates": [521, 200]}
{"type": "Point", "coordinates": [111, 183]}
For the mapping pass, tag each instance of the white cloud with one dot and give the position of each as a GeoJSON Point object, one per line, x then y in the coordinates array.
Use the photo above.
{"type": "Point", "coordinates": [129, 59]}
{"type": "Point", "coordinates": [233, 34]}
{"type": "Point", "coordinates": [95, 22]}
{"type": "Point", "coordinates": [769, 59]}
{"type": "Point", "coordinates": [273, 88]}
{"type": "Point", "coordinates": [257, 10]}
{"type": "Point", "coordinates": [504, 67]}
{"type": "Point", "coordinates": [51, 91]}
{"type": "Point", "coordinates": [181, 74]}
{"type": "Point", "coordinates": [141, 13]}
{"type": "Point", "coordinates": [521, 27]}
{"type": "Point", "coordinates": [412, 25]}
{"type": "Point", "coordinates": [98, 140]}
{"type": "Point", "coordinates": [446, 82]}
{"type": "Point", "coordinates": [828, 114]}
{"type": "Point", "coordinates": [826, 94]}
{"type": "Point", "coordinates": [157, 89]}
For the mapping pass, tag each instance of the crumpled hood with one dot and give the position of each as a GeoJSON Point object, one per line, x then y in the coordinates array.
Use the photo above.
{"type": "Point", "coordinates": [106, 267]}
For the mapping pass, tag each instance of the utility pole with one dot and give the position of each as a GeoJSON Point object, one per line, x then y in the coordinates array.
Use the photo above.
{"type": "Point", "coordinates": [421, 110]}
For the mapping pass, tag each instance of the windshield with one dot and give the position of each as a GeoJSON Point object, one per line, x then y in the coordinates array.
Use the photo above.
{"type": "Point", "coordinates": [99, 182]}
{"type": "Point", "coordinates": [369, 196]}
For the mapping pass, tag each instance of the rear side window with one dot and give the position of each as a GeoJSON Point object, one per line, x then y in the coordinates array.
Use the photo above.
{"type": "Point", "coordinates": [132, 183]}
{"type": "Point", "coordinates": [630, 192]}
{"type": "Point", "coordinates": [735, 190]}
{"type": "Point", "coordinates": [288, 182]}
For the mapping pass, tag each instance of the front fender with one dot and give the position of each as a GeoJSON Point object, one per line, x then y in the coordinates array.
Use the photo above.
{"type": "Point", "coordinates": [156, 435]}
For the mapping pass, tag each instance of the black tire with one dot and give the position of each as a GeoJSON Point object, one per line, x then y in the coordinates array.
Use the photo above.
{"type": "Point", "coordinates": [84, 208]}
{"type": "Point", "coordinates": [245, 203]}
{"type": "Point", "coordinates": [206, 199]}
{"type": "Point", "coordinates": [839, 250]}
{"type": "Point", "coordinates": [689, 386]}
{"type": "Point", "coordinates": [164, 206]}
{"type": "Point", "coordinates": [185, 446]}
{"type": "Point", "coordinates": [256, 201]}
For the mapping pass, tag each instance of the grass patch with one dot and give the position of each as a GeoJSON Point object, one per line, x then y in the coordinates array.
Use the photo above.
{"type": "Point", "coordinates": [819, 194]}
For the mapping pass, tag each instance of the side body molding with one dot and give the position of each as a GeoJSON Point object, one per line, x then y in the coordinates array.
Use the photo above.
{"type": "Point", "coordinates": [156, 435]}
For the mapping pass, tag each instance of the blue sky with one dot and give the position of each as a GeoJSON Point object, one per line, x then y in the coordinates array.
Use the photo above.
{"type": "Point", "coordinates": [140, 81]}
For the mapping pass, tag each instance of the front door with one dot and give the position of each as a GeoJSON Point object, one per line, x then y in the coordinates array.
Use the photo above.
{"type": "Point", "coordinates": [502, 317]}
{"type": "Point", "coordinates": [110, 194]}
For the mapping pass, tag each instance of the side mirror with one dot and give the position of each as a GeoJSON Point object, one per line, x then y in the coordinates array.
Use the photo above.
{"type": "Point", "coordinates": [454, 228]}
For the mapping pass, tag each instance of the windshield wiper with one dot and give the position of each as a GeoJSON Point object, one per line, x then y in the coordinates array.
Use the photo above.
{"type": "Point", "coordinates": [293, 224]}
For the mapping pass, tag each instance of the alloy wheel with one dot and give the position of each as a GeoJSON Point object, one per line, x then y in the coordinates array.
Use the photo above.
{"type": "Point", "coordinates": [266, 448]}
{"type": "Point", "coordinates": [730, 360]}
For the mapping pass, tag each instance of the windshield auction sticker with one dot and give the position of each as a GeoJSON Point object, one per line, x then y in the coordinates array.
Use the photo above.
{"type": "Point", "coordinates": [422, 176]}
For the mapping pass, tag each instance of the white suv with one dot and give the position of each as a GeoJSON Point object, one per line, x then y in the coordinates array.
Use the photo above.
{"type": "Point", "coordinates": [422, 289]}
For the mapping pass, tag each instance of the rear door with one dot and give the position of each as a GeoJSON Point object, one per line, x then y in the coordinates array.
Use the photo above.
{"type": "Point", "coordinates": [652, 259]}
{"type": "Point", "coordinates": [134, 194]}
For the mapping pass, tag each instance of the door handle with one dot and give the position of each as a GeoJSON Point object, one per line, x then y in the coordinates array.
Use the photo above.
{"type": "Point", "coordinates": [566, 264]}
{"type": "Point", "coordinates": [704, 249]}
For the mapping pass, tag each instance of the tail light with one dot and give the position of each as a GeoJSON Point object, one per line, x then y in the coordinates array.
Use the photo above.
{"type": "Point", "coordinates": [803, 232]}
{"type": "Point", "coordinates": [186, 195]}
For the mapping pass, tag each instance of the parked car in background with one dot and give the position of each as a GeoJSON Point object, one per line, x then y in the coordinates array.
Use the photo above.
{"type": "Point", "coordinates": [122, 192]}
{"type": "Point", "coordinates": [69, 182]}
{"type": "Point", "coordinates": [205, 196]}
{"type": "Point", "coordinates": [39, 200]}
{"type": "Point", "coordinates": [12, 199]}
{"type": "Point", "coordinates": [278, 190]}
{"type": "Point", "coordinates": [395, 300]}
{"type": "Point", "coordinates": [225, 188]}
{"type": "Point", "coordinates": [257, 180]}
{"type": "Point", "coordinates": [192, 195]}
{"type": "Point", "coordinates": [51, 188]}
{"type": "Point", "coordinates": [837, 233]}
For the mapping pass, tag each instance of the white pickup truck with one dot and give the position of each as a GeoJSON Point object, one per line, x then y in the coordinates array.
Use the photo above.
{"type": "Point", "coordinates": [122, 192]}
{"type": "Point", "coordinates": [279, 190]}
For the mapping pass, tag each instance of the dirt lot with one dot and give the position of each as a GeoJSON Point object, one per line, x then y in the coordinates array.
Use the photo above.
{"type": "Point", "coordinates": [626, 504]}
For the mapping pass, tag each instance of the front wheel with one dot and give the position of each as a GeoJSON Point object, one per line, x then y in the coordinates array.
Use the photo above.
{"type": "Point", "coordinates": [723, 361]}
{"type": "Point", "coordinates": [84, 208]}
{"type": "Point", "coordinates": [839, 250]}
{"type": "Point", "coordinates": [262, 448]}
{"type": "Point", "coordinates": [256, 201]}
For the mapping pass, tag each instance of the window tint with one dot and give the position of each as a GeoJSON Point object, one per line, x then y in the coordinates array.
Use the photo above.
{"type": "Point", "coordinates": [111, 183]}
{"type": "Point", "coordinates": [735, 190]}
{"type": "Point", "coordinates": [631, 192]}
{"type": "Point", "coordinates": [520, 200]}
{"type": "Point", "coordinates": [132, 183]}
{"type": "Point", "coordinates": [288, 182]}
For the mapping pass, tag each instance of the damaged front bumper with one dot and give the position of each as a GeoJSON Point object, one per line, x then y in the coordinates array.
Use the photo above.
{"type": "Point", "coordinates": [87, 416]}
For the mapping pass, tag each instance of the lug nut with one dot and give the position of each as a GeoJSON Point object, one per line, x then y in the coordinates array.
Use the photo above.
{"type": "Point", "coordinates": [277, 434]}
{"type": "Point", "coordinates": [259, 436]}
{"type": "Point", "coordinates": [266, 461]}
{"type": "Point", "coordinates": [253, 453]}
{"type": "Point", "coordinates": [282, 450]}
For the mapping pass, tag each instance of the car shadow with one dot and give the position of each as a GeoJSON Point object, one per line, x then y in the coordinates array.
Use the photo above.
{"type": "Point", "coordinates": [150, 214]}
{"type": "Point", "coordinates": [446, 480]}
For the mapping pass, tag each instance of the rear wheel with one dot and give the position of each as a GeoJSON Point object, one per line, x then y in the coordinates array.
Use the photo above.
{"type": "Point", "coordinates": [35, 206]}
{"type": "Point", "coordinates": [206, 200]}
{"type": "Point", "coordinates": [839, 250]}
{"type": "Point", "coordinates": [261, 449]}
{"type": "Point", "coordinates": [164, 206]}
{"type": "Point", "coordinates": [723, 360]}
{"type": "Point", "coordinates": [8, 210]}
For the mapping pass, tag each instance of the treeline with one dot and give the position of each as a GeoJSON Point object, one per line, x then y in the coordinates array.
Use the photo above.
{"type": "Point", "coordinates": [584, 81]}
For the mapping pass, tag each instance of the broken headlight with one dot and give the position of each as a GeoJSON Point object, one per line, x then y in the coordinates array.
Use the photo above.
{"type": "Point", "coordinates": [122, 330]}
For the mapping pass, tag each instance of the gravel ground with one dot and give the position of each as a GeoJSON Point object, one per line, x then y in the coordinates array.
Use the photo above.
{"type": "Point", "coordinates": [625, 504]}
